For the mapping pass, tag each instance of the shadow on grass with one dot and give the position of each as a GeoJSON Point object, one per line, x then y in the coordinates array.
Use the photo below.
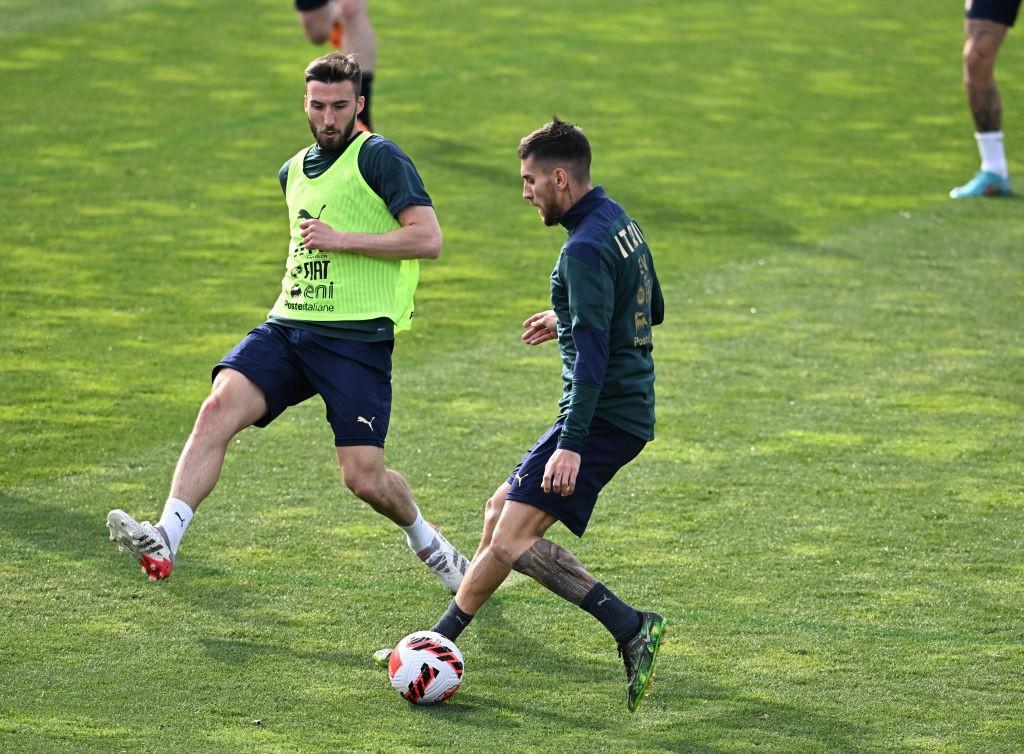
{"type": "Point", "coordinates": [243, 651]}
{"type": "Point", "coordinates": [739, 717]}
{"type": "Point", "coordinates": [763, 724]}
{"type": "Point", "coordinates": [717, 219]}
{"type": "Point", "coordinates": [465, 158]}
{"type": "Point", "coordinates": [80, 536]}
{"type": "Point", "coordinates": [737, 722]}
{"type": "Point", "coordinates": [51, 528]}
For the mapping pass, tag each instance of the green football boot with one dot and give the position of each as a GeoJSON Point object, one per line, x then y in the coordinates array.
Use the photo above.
{"type": "Point", "coordinates": [638, 654]}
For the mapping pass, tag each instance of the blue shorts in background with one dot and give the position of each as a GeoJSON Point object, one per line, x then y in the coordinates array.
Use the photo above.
{"type": "Point", "coordinates": [290, 365]}
{"type": "Point", "coordinates": [1001, 11]}
{"type": "Point", "coordinates": [606, 450]}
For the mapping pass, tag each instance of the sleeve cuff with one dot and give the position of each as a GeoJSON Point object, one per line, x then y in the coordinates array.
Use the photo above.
{"type": "Point", "coordinates": [570, 443]}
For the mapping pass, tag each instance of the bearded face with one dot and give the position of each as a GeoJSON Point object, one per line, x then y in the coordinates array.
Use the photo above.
{"type": "Point", "coordinates": [332, 110]}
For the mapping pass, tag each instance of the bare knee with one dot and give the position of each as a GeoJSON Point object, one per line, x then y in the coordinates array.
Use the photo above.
{"type": "Point", "coordinates": [318, 23]}
{"type": "Point", "coordinates": [492, 510]}
{"type": "Point", "coordinates": [979, 64]}
{"type": "Point", "coordinates": [233, 404]}
{"type": "Point", "coordinates": [352, 10]}
{"type": "Point", "coordinates": [981, 47]}
{"type": "Point", "coordinates": [507, 546]}
{"type": "Point", "coordinates": [215, 419]}
{"type": "Point", "coordinates": [503, 550]}
{"type": "Point", "coordinates": [363, 484]}
{"type": "Point", "coordinates": [317, 36]}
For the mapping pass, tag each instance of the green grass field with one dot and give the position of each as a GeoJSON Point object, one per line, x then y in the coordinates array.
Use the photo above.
{"type": "Point", "coordinates": [832, 517]}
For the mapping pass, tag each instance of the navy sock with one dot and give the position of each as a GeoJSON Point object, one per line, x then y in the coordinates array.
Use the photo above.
{"type": "Point", "coordinates": [453, 622]}
{"type": "Point", "coordinates": [622, 621]}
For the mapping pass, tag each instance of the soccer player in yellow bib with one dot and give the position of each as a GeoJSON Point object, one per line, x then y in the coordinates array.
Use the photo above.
{"type": "Point", "coordinates": [360, 221]}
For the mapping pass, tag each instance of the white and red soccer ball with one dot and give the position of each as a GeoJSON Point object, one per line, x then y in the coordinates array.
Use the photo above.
{"type": "Point", "coordinates": [425, 667]}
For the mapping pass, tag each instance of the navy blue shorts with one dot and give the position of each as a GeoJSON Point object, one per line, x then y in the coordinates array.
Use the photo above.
{"type": "Point", "coordinates": [606, 450]}
{"type": "Point", "coordinates": [1001, 11]}
{"type": "Point", "coordinates": [290, 365]}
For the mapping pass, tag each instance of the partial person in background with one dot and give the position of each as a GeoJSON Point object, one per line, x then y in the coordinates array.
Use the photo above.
{"type": "Point", "coordinates": [346, 25]}
{"type": "Point", "coordinates": [985, 28]}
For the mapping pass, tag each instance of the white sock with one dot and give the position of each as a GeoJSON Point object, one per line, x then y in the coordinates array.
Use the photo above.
{"type": "Point", "coordinates": [419, 534]}
{"type": "Point", "coordinates": [174, 521]}
{"type": "Point", "coordinates": [993, 157]}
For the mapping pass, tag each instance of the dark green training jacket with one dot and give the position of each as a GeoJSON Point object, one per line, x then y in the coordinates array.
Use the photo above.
{"type": "Point", "coordinates": [607, 298]}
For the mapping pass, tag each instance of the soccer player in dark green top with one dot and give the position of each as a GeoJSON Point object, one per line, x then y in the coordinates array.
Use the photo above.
{"type": "Point", "coordinates": [605, 298]}
{"type": "Point", "coordinates": [360, 219]}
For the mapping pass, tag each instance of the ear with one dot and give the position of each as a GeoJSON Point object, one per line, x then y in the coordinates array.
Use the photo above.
{"type": "Point", "coordinates": [360, 104]}
{"type": "Point", "coordinates": [560, 177]}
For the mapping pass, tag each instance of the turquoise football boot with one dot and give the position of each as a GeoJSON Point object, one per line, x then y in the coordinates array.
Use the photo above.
{"type": "Point", "coordinates": [984, 183]}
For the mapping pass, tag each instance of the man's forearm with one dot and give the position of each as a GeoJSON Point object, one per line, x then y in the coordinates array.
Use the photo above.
{"type": "Point", "coordinates": [408, 242]}
{"type": "Point", "coordinates": [578, 416]}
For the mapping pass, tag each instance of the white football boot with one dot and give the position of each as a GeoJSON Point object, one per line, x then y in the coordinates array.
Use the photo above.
{"type": "Point", "coordinates": [147, 543]}
{"type": "Point", "coordinates": [382, 657]}
{"type": "Point", "coordinates": [444, 560]}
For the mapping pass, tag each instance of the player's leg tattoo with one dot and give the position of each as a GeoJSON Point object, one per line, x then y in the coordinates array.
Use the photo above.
{"type": "Point", "coordinates": [986, 107]}
{"type": "Point", "coordinates": [983, 41]}
{"type": "Point", "coordinates": [557, 569]}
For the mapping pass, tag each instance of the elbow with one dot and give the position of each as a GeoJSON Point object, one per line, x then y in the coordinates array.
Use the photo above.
{"type": "Point", "coordinates": [432, 247]}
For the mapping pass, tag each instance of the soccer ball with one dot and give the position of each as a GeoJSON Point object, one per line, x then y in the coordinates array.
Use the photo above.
{"type": "Point", "coordinates": [425, 667]}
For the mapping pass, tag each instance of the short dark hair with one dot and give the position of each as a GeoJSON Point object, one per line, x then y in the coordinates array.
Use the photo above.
{"type": "Point", "coordinates": [561, 142]}
{"type": "Point", "coordinates": [336, 67]}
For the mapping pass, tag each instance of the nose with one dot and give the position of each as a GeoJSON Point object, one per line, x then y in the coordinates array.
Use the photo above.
{"type": "Point", "coordinates": [328, 117]}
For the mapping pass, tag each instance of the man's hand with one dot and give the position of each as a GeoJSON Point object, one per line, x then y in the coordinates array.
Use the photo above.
{"type": "Point", "coordinates": [540, 327]}
{"type": "Point", "coordinates": [316, 234]}
{"type": "Point", "coordinates": [419, 237]}
{"type": "Point", "coordinates": [560, 472]}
